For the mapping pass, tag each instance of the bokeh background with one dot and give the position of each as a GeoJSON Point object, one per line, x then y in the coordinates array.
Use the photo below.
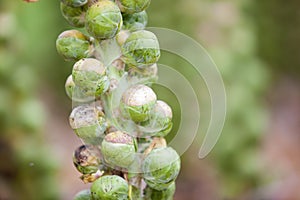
{"type": "Point", "coordinates": [256, 46]}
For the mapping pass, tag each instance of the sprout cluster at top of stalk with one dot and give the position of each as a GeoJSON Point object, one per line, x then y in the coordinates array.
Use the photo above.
{"type": "Point", "coordinates": [123, 141]}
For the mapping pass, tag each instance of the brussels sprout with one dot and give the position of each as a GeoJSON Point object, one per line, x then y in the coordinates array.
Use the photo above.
{"type": "Point", "coordinates": [110, 188]}
{"type": "Point", "coordinates": [118, 149]}
{"type": "Point", "coordinates": [103, 19]}
{"type": "Point", "coordinates": [76, 93]}
{"type": "Point", "coordinates": [141, 49]}
{"type": "Point", "coordinates": [136, 21]}
{"type": "Point", "coordinates": [166, 194]}
{"type": "Point", "coordinates": [161, 119]}
{"type": "Point", "coordinates": [137, 102]}
{"type": "Point", "coordinates": [161, 167]}
{"type": "Point", "coordinates": [73, 45]}
{"type": "Point", "coordinates": [87, 159]}
{"type": "Point", "coordinates": [74, 15]}
{"type": "Point", "coordinates": [89, 123]}
{"type": "Point", "coordinates": [146, 75]}
{"type": "Point", "coordinates": [74, 3]}
{"type": "Point", "coordinates": [83, 195]}
{"type": "Point", "coordinates": [69, 86]}
{"type": "Point", "coordinates": [89, 74]}
{"type": "Point", "coordinates": [122, 36]}
{"type": "Point", "coordinates": [133, 6]}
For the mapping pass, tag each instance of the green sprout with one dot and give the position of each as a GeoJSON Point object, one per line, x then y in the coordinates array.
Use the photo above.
{"type": "Point", "coordinates": [110, 188]}
{"type": "Point", "coordinates": [73, 45]}
{"type": "Point", "coordinates": [103, 19]}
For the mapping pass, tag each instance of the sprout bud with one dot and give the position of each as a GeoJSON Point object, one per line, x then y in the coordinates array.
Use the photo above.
{"type": "Point", "coordinates": [87, 159]}
{"type": "Point", "coordinates": [69, 86]}
{"type": "Point", "coordinates": [110, 188]}
{"type": "Point", "coordinates": [118, 149]}
{"type": "Point", "coordinates": [146, 75]}
{"type": "Point", "coordinates": [137, 102]}
{"type": "Point", "coordinates": [161, 119]}
{"type": "Point", "coordinates": [76, 93]}
{"type": "Point", "coordinates": [89, 123]}
{"type": "Point", "coordinates": [89, 74]}
{"type": "Point", "coordinates": [122, 36]}
{"type": "Point", "coordinates": [166, 194]}
{"type": "Point", "coordinates": [103, 19]}
{"type": "Point", "coordinates": [141, 49]}
{"type": "Point", "coordinates": [74, 15]}
{"type": "Point", "coordinates": [133, 6]}
{"type": "Point", "coordinates": [83, 195]}
{"type": "Point", "coordinates": [135, 22]}
{"type": "Point", "coordinates": [161, 167]}
{"type": "Point", "coordinates": [73, 45]}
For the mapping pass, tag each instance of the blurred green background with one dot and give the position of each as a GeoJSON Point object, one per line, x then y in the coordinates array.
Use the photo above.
{"type": "Point", "coordinates": [256, 46]}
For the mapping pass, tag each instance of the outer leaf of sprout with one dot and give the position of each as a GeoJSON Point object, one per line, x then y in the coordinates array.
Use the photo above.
{"type": "Point", "coordinates": [73, 45]}
{"type": "Point", "coordinates": [103, 20]}
{"type": "Point", "coordinates": [110, 188]}
{"type": "Point", "coordinates": [147, 75]}
{"type": "Point", "coordinates": [87, 159]}
{"type": "Point", "coordinates": [88, 123]}
{"type": "Point", "coordinates": [161, 118]}
{"type": "Point", "coordinates": [136, 21]}
{"type": "Point", "coordinates": [137, 102]}
{"type": "Point", "coordinates": [74, 15]}
{"type": "Point", "coordinates": [141, 49]}
{"type": "Point", "coordinates": [83, 195]}
{"type": "Point", "coordinates": [161, 167]}
{"type": "Point", "coordinates": [89, 75]}
{"type": "Point", "coordinates": [166, 194]}
{"type": "Point", "coordinates": [118, 149]}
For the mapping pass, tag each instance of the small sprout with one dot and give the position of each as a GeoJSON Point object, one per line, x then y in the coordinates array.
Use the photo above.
{"type": "Point", "coordinates": [141, 49]}
{"type": "Point", "coordinates": [83, 195]}
{"type": "Point", "coordinates": [147, 75]}
{"type": "Point", "coordinates": [103, 19]}
{"type": "Point", "coordinates": [73, 45]}
{"type": "Point", "coordinates": [75, 16]}
{"type": "Point", "coordinates": [89, 123]}
{"type": "Point", "coordinates": [87, 159]}
{"type": "Point", "coordinates": [89, 74]}
{"type": "Point", "coordinates": [166, 194]}
{"type": "Point", "coordinates": [133, 6]}
{"type": "Point", "coordinates": [74, 3]}
{"type": "Point", "coordinates": [118, 149]}
{"type": "Point", "coordinates": [76, 93]}
{"type": "Point", "coordinates": [122, 36]}
{"type": "Point", "coordinates": [137, 102]}
{"type": "Point", "coordinates": [135, 22]}
{"type": "Point", "coordinates": [110, 188]}
{"type": "Point", "coordinates": [69, 86]}
{"type": "Point", "coordinates": [161, 119]}
{"type": "Point", "coordinates": [161, 167]}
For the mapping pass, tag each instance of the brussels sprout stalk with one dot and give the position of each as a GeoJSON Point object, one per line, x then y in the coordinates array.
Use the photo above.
{"type": "Point", "coordinates": [125, 155]}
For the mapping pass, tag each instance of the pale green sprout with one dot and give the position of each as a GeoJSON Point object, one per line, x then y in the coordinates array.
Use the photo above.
{"type": "Point", "coordinates": [141, 49]}
{"type": "Point", "coordinates": [110, 187]}
{"type": "Point", "coordinates": [137, 102]}
{"type": "Point", "coordinates": [75, 16]}
{"type": "Point", "coordinates": [74, 45]}
{"type": "Point", "coordinates": [161, 168]}
{"type": "Point", "coordinates": [89, 123]}
{"type": "Point", "coordinates": [89, 74]}
{"type": "Point", "coordinates": [118, 149]}
{"type": "Point", "coordinates": [103, 20]}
